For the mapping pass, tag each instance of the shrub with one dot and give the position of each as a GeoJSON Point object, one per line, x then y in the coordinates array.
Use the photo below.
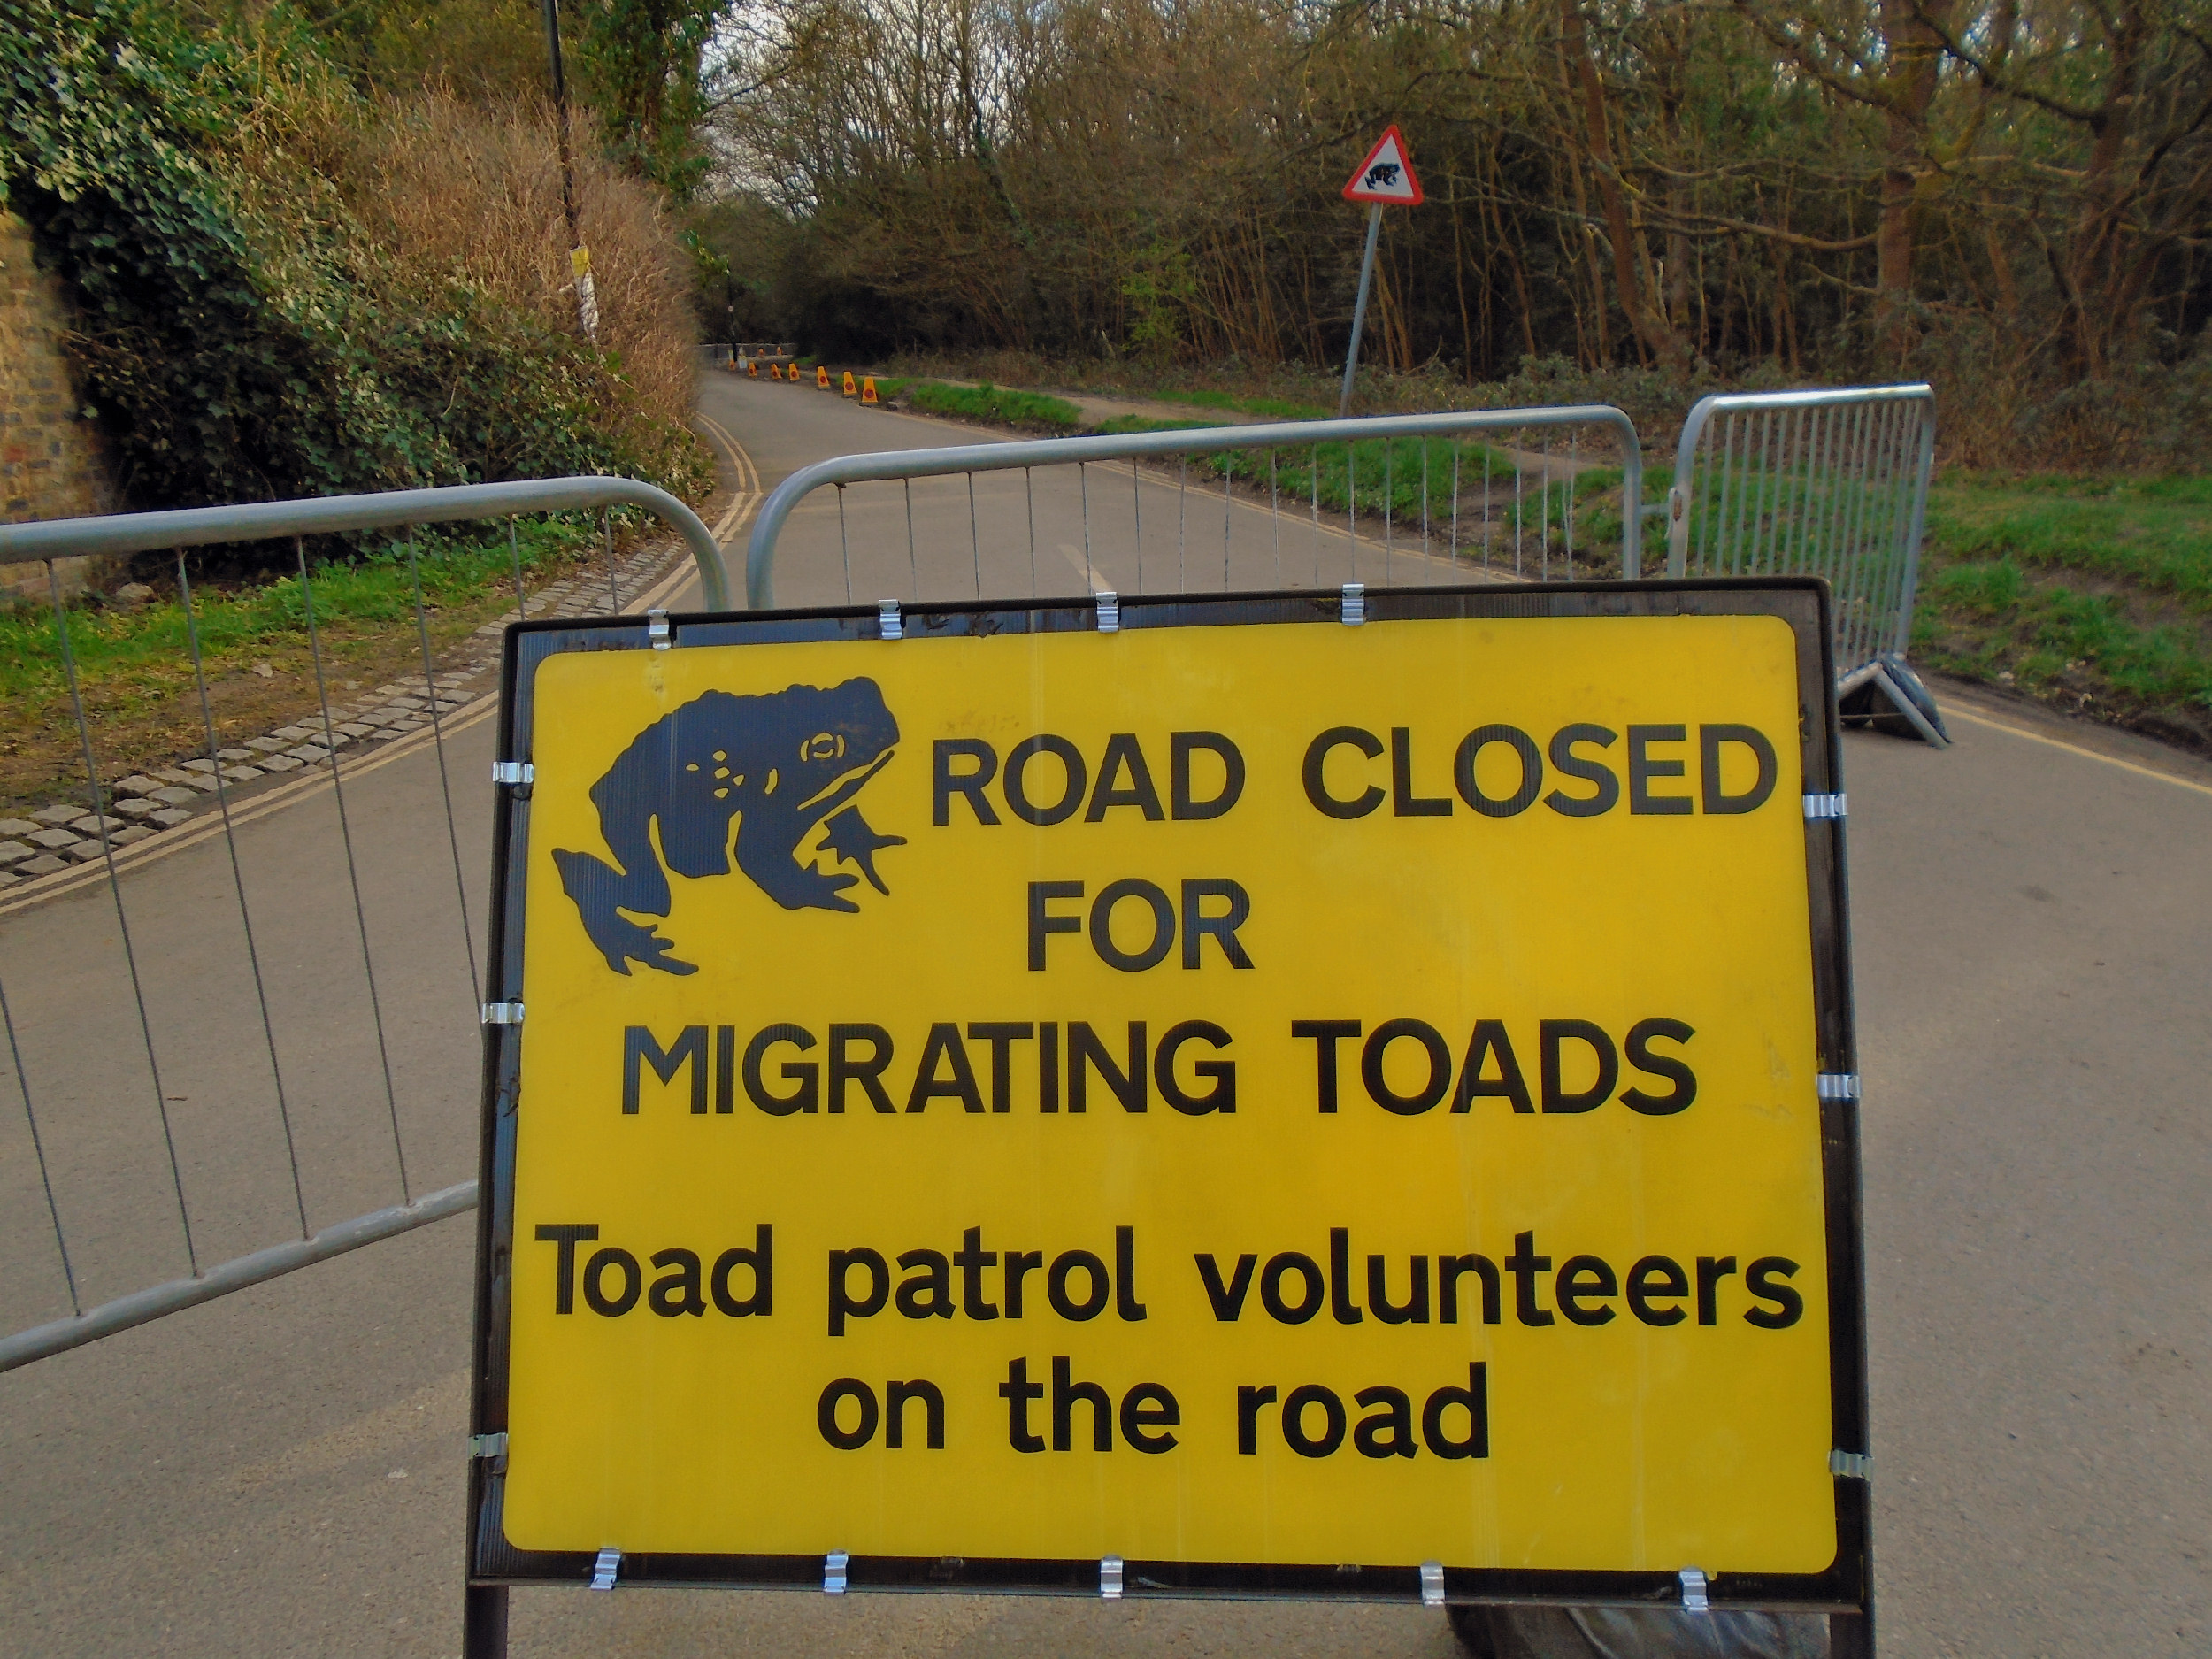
{"type": "Point", "coordinates": [262, 316]}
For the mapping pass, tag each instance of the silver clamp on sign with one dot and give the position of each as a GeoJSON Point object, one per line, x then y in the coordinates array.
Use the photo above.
{"type": "Point", "coordinates": [1432, 1583]}
{"type": "Point", "coordinates": [1694, 1582]}
{"type": "Point", "coordinates": [1109, 610]}
{"type": "Point", "coordinates": [603, 1568]}
{"type": "Point", "coordinates": [833, 1565]}
{"type": "Point", "coordinates": [1354, 610]}
{"type": "Point", "coordinates": [1110, 1577]}
{"type": "Point", "coordinates": [887, 616]}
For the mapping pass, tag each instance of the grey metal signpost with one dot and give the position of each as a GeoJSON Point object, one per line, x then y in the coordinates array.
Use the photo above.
{"type": "Point", "coordinates": [1359, 310]}
{"type": "Point", "coordinates": [1384, 177]}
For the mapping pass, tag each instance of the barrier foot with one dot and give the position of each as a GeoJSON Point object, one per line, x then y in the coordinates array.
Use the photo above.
{"type": "Point", "coordinates": [1891, 698]}
{"type": "Point", "coordinates": [484, 1622]}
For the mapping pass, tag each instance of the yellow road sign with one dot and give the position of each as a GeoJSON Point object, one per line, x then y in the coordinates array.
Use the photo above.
{"type": "Point", "coordinates": [1245, 1095]}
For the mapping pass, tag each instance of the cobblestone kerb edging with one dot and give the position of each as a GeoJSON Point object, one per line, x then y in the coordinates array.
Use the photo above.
{"type": "Point", "coordinates": [64, 836]}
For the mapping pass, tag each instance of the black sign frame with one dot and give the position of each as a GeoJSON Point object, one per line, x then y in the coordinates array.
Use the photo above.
{"type": "Point", "coordinates": [1843, 1591]}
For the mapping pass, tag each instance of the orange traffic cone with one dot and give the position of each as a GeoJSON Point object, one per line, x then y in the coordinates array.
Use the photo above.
{"type": "Point", "coordinates": [849, 387]}
{"type": "Point", "coordinates": [752, 368]}
{"type": "Point", "coordinates": [868, 399]}
{"type": "Point", "coordinates": [821, 377]}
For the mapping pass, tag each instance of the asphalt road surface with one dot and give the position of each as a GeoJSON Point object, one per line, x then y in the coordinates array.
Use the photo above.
{"type": "Point", "coordinates": [280, 1472]}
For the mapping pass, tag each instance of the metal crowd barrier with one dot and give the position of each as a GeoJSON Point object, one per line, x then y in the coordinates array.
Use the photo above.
{"type": "Point", "coordinates": [101, 1134]}
{"type": "Point", "coordinates": [1833, 483]}
{"type": "Point", "coordinates": [1825, 483]}
{"type": "Point", "coordinates": [1420, 498]}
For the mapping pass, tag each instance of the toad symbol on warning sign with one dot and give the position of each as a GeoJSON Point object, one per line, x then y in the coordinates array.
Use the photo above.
{"type": "Point", "coordinates": [780, 765]}
{"type": "Point", "coordinates": [1386, 176]}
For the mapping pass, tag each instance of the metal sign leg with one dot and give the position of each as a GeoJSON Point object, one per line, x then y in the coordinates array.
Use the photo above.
{"type": "Point", "coordinates": [484, 1622]}
{"type": "Point", "coordinates": [1359, 310]}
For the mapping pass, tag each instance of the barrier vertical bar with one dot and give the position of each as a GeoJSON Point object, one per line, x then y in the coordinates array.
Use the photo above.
{"type": "Point", "coordinates": [614, 586]}
{"type": "Point", "coordinates": [353, 871]}
{"type": "Point", "coordinates": [1574, 465]}
{"type": "Point", "coordinates": [1313, 482]}
{"type": "Point", "coordinates": [913, 566]}
{"type": "Point", "coordinates": [514, 556]}
{"type": "Point", "coordinates": [38, 1150]}
{"type": "Point", "coordinates": [1454, 547]}
{"type": "Point", "coordinates": [1543, 516]}
{"type": "Point", "coordinates": [1763, 527]}
{"type": "Point", "coordinates": [1486, 506]}
{"type": "Point", "coordinates": [1924, 467]}
{"type": "Point", "coordinates": [1182, 535]}
{"type": "Point", "coordinates": [1351, 501]}
{"type": "Point", "coordinates": [1228, 473]}
{"type": "Point", "coordinates": [1083, 483]}
{"type": "Point", "coordinates": [445, 781]}
{"type": "Point", "coordinates": [122, 921]}
{"type": "Point", "coordinates": [975, 539]}
{"type": "Point", "coordinates": [1424, 495]}
{"type": "Point", "coordinates": [238, 884]}
{"type": "Point", "coordinates": [1275, 513]}
{"type": "Point", "coordinates": [1390, 490]}
{"type": "Point", "coordinates": [1517, 452]}
{"type": "Point", "coordinates": [1136, 511]}
{"type": "Point", "coordinates": [844, 545]}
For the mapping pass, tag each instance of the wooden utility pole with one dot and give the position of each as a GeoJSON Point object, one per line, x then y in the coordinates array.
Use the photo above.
{"type": "Point", "coordinates": [579, 254]}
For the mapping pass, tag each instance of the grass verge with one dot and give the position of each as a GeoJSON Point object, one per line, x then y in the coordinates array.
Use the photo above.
{"type": "Point", "coordinates": [1272, 408]}
{"type": "Point", "coordinates": [134, 666]}
{"type": "Point", "coordinates": [2092, 596]}
{"type": "Point", "coordinates": [999, 405]}
{"type": "Point", "coordinates": [2154, 534]}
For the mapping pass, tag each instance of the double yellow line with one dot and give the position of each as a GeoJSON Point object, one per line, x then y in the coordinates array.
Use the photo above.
{"type": "Point", "coordinates": [747, 501]}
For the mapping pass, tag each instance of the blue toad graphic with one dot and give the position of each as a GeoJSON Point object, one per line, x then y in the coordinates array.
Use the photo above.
{"type": "Point", "coordinates": [779, 764]}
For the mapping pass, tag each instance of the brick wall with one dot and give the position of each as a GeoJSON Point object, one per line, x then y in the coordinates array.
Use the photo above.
{"type": "Point", "coordinates": [52, 464]}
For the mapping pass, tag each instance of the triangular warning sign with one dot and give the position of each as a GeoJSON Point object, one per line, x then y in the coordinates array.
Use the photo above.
{"type": "Point", "coordinates": [1386, 176]}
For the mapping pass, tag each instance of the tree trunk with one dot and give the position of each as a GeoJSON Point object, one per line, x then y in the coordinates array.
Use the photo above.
{"type": "Point", "coordinates": [1652, 328]}
{"type": "Point", "coordinates": [1673, 89]}
{"type": "Point", "coordinates": [2094, 288]}
{"type": "Point", "coordinates": [1914, 51]}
